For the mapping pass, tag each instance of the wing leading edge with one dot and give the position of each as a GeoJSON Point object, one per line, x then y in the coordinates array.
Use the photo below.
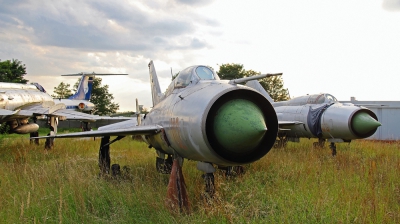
{"type": "Point", "coordinates": [58, 111]}
{"type": "Point", "coordinates": [137, 130]}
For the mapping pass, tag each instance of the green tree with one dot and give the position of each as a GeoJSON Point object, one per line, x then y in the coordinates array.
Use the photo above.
{"type": "Point", "coordinates": [273, 85]}
{"type": "Point", "coordinates": [12, 71]}
{"type": "Point", "coordinates": [101, 98]}
{"type": "Point", "coordinates": [231, 71]}
{"type": "Point", "coordinates": [62, 91]}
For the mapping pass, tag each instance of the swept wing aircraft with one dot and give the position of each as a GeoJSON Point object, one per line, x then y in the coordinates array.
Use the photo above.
{"type": "Point", "coordinates": [80, 101]}
{"type": "Point", "coordinates": [321, 116]}
{"type": "Point", "coordinates": [201, 118]}
{"type": "Point", "coordinates": [19, 102]}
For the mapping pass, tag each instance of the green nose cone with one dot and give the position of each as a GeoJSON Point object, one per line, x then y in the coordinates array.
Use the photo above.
{"type": "Point", "coordinates": [239, 125]}
{"type": "Point", "coordinates": [363, 123]}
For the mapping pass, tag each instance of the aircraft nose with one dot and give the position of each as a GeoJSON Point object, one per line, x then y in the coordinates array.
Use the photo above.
{"type": "Point", "coordinates": [239, 125]}
{"type": "Point", "coordinates": [363, 123]}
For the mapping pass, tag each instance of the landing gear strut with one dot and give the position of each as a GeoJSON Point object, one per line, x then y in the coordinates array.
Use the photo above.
{"type": "Point", "coordinates": [164, 166]}
{"type": "Point", "coordinates": [320, 144]}
{"type": "Point", "coordinates": [332, 146]}
{"type": "Point", "coordinates": [34, 134]}
{"type": "Point", "coordinates": [208, 177]}
{"type": "Point", "coordinates": [209, 181]}
{"type": "Point", "coordinates": [104, 155]}
{"type": "Point", "coordinates": [85, 126]}
{"type": "Point", "coordinates": [281, 142]}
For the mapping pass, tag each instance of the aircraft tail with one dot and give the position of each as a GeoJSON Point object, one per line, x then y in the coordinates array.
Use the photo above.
{"type": "Point", "coordinates": [156, 93]}
{"type": "Point", "coordinates": [84, 91]}
{"type": "Point", "coordinates": [257, 86]}
{"type": "Point", "coordinates": [85, 87]}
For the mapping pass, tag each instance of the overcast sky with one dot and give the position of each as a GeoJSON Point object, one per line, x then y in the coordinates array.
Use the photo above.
{"type": "Point", "coordinates": [346, 48]}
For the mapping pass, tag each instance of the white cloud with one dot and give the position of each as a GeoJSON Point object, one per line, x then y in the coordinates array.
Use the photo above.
{"type": "Point", "coordinates": [341, 47]}
{"type": "Point", "coordinates": [391, 5]}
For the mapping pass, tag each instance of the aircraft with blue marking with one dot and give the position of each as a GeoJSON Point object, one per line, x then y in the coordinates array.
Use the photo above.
{"type": "Point", "coordinates": [21, 102]}
{"type": "Point", "coordinates": [80, 101]}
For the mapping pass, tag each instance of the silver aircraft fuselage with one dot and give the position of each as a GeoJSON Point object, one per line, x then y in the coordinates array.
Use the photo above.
{"type": "Point", "coordinates": [203, 118]}
{"type": "Point", "coordinates": [14, 96]}
{"type": "Point", "coordinates": [322, 116]}
{"type": "Point", "coordinates": [186, 114]}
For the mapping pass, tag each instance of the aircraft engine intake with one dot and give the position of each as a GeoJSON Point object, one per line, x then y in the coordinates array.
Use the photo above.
{"type": "Point", "coordinates": [364, 123]}
{"type": "Point", "coordinates": [241, 126]}
{"type": "Point", "coordinates": [349, 122]}
{"type": "Point", "coordinates": [81, 106]}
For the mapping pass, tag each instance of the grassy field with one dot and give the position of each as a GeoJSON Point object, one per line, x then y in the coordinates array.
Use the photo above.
{"type": "Point", "coordinates": [298, 184]}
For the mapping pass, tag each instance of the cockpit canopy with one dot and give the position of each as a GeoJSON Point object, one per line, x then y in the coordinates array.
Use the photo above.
{"type": "Point", "coordinates": [321, 98]}
{"type": "Point", "coordinates": [313, 99]}
{"type": "Point", "coordinates": [194, 74]}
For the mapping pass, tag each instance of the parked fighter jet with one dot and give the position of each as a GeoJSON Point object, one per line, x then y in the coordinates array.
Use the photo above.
{"type": "Point", "coordinates": [19, 102]}
{"type": "Point", "coordinates": [321, 116]}
{"type": "Point", "coordinates": [201, 118]}
{"type": "Point", "coordinates": [80, 100]}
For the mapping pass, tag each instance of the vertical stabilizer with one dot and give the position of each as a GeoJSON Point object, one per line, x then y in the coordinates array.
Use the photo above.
{"type": "Point", "coordinates": [156, 93]}
{"type": "Point", "coordinates": [257, 86]}
{"type": "Point", "coordinates": [84, 88]}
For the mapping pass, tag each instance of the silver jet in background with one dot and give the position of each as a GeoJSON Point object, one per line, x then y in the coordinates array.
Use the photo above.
{"type": "Point", "coordinates": [19, 102]}
{"type": "Point", "coordinates": [321, 116]}
{"type": "Point", "coordinates": [201, 118]}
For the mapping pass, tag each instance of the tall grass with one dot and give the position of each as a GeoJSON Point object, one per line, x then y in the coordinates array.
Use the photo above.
{"type": "Point", "coordinates": [296, 184]}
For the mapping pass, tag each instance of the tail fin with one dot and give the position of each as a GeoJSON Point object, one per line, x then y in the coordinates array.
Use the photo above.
{"type": "Point", "coordinates": [85, 87]}
{"type": "Point", "coordinates": [257, 86]}
{"type": "Point", "coordinates": [84, 91]}
{"type": "Point", "coordinates": [139, 119]}
{"type": "Point", "coordinates": [156, 93]}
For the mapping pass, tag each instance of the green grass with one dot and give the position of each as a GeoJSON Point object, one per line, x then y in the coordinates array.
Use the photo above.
{"type": "Point", "coordinates": [298, 184]}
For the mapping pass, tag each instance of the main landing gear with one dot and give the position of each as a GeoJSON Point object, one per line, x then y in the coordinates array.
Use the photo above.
{"type": "Point", "coordinates": [332, 146]}
{"type": "Point", "coordinates": [281, 142]}
{"type": "Point", "coordinates": [209, 182]}
{"type": "Point", "coordinates": [321, 143]}
{"type": "Point", "coordinates": [164, 166]}
{"type": "Point", "coordinates": [104, 157]}
{"type": "Point", "coordinates": [208, 178]}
